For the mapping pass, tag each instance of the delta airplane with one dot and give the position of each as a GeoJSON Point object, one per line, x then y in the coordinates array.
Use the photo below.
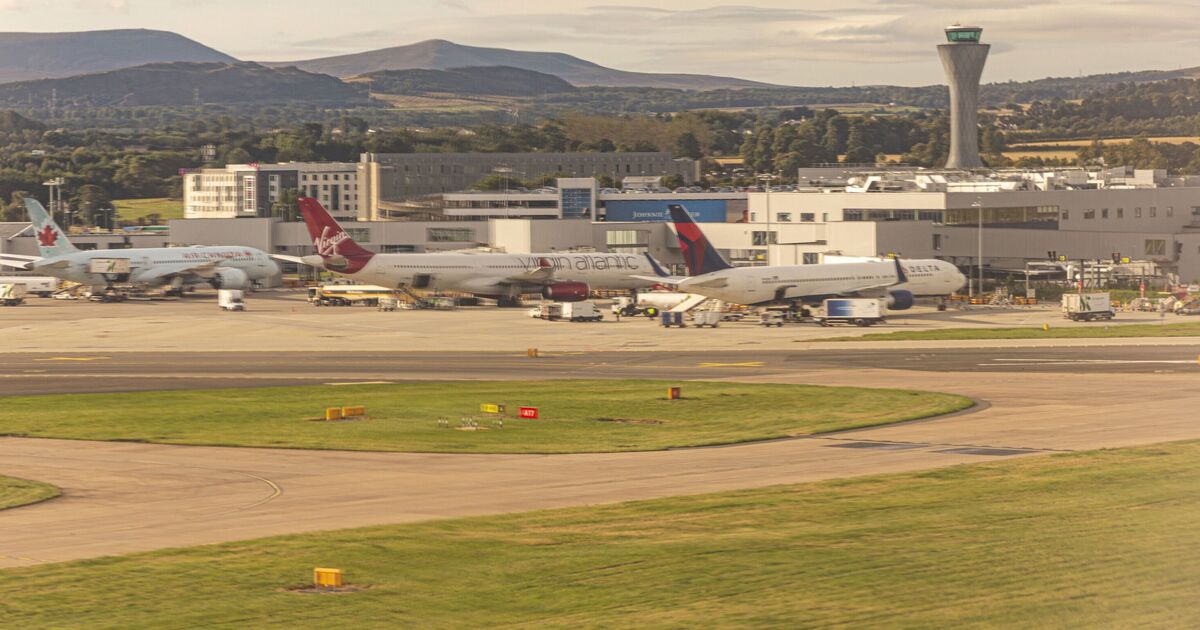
{"type": "Point", "coordinates": [174, 267]}
{"type": "Point", "coordinates": [504, 277]}
{"type": "Point", "coordinates": [711, 276]}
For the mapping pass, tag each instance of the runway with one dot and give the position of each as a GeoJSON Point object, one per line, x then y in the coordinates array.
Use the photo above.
{"type": "Point", "coordinates": [49, 373]}
{"type": "Point", "coordinates": [124, 497]}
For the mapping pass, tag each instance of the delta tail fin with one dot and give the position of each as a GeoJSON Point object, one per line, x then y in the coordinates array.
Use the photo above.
{"type": "Point", "coordinates": [335, 247]}
{"type": "Point", "coordinates": [701, 257]}
{"type": "Point", "coordinates": [52, 240]}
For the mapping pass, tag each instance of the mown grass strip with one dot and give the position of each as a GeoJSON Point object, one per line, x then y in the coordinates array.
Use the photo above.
{"type": "Point", "coordinates": [576, 416]}
{"type": "Point", "coordinates": [1104, 539]}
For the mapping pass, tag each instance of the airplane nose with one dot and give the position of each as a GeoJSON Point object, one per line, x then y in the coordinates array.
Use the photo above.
{"type": "Point", "coordinates": [962, 280]}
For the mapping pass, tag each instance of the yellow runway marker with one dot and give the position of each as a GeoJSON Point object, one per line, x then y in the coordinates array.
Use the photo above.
{"type": "Point", "coordinates": [72, 359]}
{"type": "Point", "coordinates": [748, 364]}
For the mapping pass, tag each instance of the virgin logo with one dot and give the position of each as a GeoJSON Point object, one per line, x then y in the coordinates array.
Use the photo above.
{"type": "Point", "coordinates": [327, 245]}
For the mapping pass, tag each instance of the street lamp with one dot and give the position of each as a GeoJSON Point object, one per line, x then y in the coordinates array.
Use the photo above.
{"type": "Point", "coordinates": [55, 185]}
{"type": "Point", "coordinates": [767, 177]}
{"type": "Point", "coordinates": [506, 171]}
{"type": "Point", "coordinates": [978, 205]}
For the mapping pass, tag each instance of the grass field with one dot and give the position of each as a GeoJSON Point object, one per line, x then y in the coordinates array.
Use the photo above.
{"type": "Point", "coordinates": [133, 209]}
{"type": "Point", "coordinates": [16, 492]}
{"type": "Point", "coordinates": [1094, 330]}
{"type": "Point", "coordinates": [577, 416]}
{"type": "Point", "coordinates": [1104, 539]}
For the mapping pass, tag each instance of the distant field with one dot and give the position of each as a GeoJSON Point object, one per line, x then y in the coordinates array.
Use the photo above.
{"type": "Point", "coordinates": [1103, 539]}
{"type": "Point", "coordinates": [444, 103]}
{"type": "Point", "coordinates": [133, 209]}
{"type": "Point", "coordinates": [577, 416]}
{"type": "Point", "coordinates": [1095, 330]}
{"type": "Point", "coordinates": [1064, 154]}
{"type": "Point", "coordinates": [1087, 142]}
{"type": "Point", "coordinates": [15, 492]}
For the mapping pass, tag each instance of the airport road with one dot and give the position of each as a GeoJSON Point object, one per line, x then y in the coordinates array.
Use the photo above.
{"type": "Point", "coordinates": [46, 373]}
{"type": "Point", "coordinates": [126, 497]}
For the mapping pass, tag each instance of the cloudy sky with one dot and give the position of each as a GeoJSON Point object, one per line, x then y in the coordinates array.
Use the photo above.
{"type": "Point", "coordinates": [795, 42]}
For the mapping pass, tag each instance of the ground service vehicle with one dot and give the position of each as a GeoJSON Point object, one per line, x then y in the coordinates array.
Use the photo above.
{"type": "Point", "coordinates": [672, 318]}
{"type": "Point", "coordinates": [41, 286]}
{"type": "Point", "coordinates": [348, 294]}
{"type": "Point", "coordinates": [570, 311]}
{"type": "Point", "coordinates": [12, 294]}
{"type": "Point", "coordinates": [581, 312]}
{"type": "Point", "coordinates": [1085, 307]}
{"type": "Point", "coordinates": [231, 300]}
{"type": "Point", "coordinates": [857, 311]}
{"type": "Point", "coordinates": [701, 319]}
{"type": "Point", "coordinates": [771, 318]}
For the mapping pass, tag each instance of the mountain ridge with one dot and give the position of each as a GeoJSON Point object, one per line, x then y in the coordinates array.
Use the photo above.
{"type": "Point", "coordinates": [440, 54]}
{"type": "Point", "coordinates": [31, 56]}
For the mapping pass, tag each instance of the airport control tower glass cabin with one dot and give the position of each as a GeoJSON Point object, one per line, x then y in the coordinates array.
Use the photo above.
{"type": "Point", "coordinates": [963, 58]}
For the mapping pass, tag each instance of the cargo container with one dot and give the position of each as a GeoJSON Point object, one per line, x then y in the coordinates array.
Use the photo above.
{"type": "Point", "coordinates": [1085, 307]}
{"type": "Point", "coordinates": [856, 311]}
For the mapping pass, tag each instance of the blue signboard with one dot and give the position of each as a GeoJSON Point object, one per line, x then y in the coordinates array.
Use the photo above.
{"type": "Point", "coordinates": [702, 210]}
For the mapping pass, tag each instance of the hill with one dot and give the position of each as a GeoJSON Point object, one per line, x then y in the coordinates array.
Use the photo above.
{"type": "Point", "coordinates": [168, 84]}
{"type": "Point", "coordinates": [486, 80]}
{"type": "Point", "coordinates": [25, 56]}
{"type": "Point", "coordinates": [437, 54]}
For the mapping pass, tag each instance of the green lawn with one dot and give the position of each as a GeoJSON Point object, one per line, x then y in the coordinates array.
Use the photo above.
{"type": "Point", "coordinates": [1093, 330]}
{"type": "Point", "coordinates": [1105, 539]}
{"type": "Point", "coordinates": [15, 492]}
{"type": "Point", "coordinates": [577, 416]}
{"type": "Point", "coordinates": [133, 209]}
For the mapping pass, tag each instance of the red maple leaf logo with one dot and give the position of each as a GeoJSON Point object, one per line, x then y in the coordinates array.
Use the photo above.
{"type": "Point", "coordinates": [47, 236]}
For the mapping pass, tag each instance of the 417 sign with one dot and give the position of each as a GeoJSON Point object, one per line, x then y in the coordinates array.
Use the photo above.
{"type": "Point", "coordinates": [529, 412]}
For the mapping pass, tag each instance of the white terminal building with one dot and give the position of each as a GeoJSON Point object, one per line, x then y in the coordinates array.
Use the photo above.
{"type": "Point", "coordinates": [252, 190]}
{"type": "Point", "coordinates": [1026, 216]}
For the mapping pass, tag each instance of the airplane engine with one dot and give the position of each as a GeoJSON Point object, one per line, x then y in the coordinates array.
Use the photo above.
{"type": "Point", "coordinates": [567, 292]}
{"type": "Point", "coordinates": [899, 300]}
{"type": "Point", "coordinates": [229, 278]}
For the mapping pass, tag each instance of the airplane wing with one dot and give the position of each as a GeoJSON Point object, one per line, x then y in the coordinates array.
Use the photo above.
{"type": "Point", "coordinates": [20, 257]}
{"type": "Point", "coordinates": [158, 272]}
{"type": "Point", "coordinates": [292, 259]}
{"type": "Point", "coordinates": [16, 264]}
{"type": "Point", "coordinates": [901, 278]}
{"type": "Point", "coordinates": [541, 275]}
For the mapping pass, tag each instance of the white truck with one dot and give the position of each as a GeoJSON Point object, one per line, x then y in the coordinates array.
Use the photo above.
{"type": "Point", "coordinates": [856, 311]}
{"type": "Point", "coordinates": [41, 286]}
{"type": "Point", "coordinates": [1085, 307]}
{"type": "Point", "coordinates": [12, 294]}
{"type": "Point", "coordinates": [569, 311]}
{"type": "Point", "coordinates": [581, 312]}
{"type": "Point", "coordinates": [230, 300]}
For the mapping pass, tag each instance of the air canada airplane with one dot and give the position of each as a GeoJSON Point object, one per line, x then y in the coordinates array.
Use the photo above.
{"type": "Point", "coordinates": [710, 275]}
{"type": "Point", "coordinates": [222, 267]}
{"type": "Point", "coordinates": [504, 277]}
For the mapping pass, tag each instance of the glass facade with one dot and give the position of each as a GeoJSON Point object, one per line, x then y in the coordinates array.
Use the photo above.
{"type": "Point", "coordinates": [576, 203]}
{"type": "Point", "coordinates": [963, 35]}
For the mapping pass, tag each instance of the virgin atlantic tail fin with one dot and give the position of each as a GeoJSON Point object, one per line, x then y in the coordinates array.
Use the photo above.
{"type": "Point", "coordinates": [333, 244]}
{"type": "Point", "coordinates": [701, 257]}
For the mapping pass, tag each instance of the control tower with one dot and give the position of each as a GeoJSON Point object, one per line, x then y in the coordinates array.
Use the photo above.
{"type": "Point", "coordinates": [963, 58]}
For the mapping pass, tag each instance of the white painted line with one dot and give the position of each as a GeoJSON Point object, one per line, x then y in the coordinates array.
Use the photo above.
{"type": "Point", "coordinates": [363, 383]}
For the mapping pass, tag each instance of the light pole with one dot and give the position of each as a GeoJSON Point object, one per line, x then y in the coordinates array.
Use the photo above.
{"type": "Point", "coordinates": [506, 171]}
{"type": "Point", "coordinates": [55, 185]}
{"type": "Point", "coordinates": [767, 177]}
{"type": "Point", "coordinates": [978, 205]}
